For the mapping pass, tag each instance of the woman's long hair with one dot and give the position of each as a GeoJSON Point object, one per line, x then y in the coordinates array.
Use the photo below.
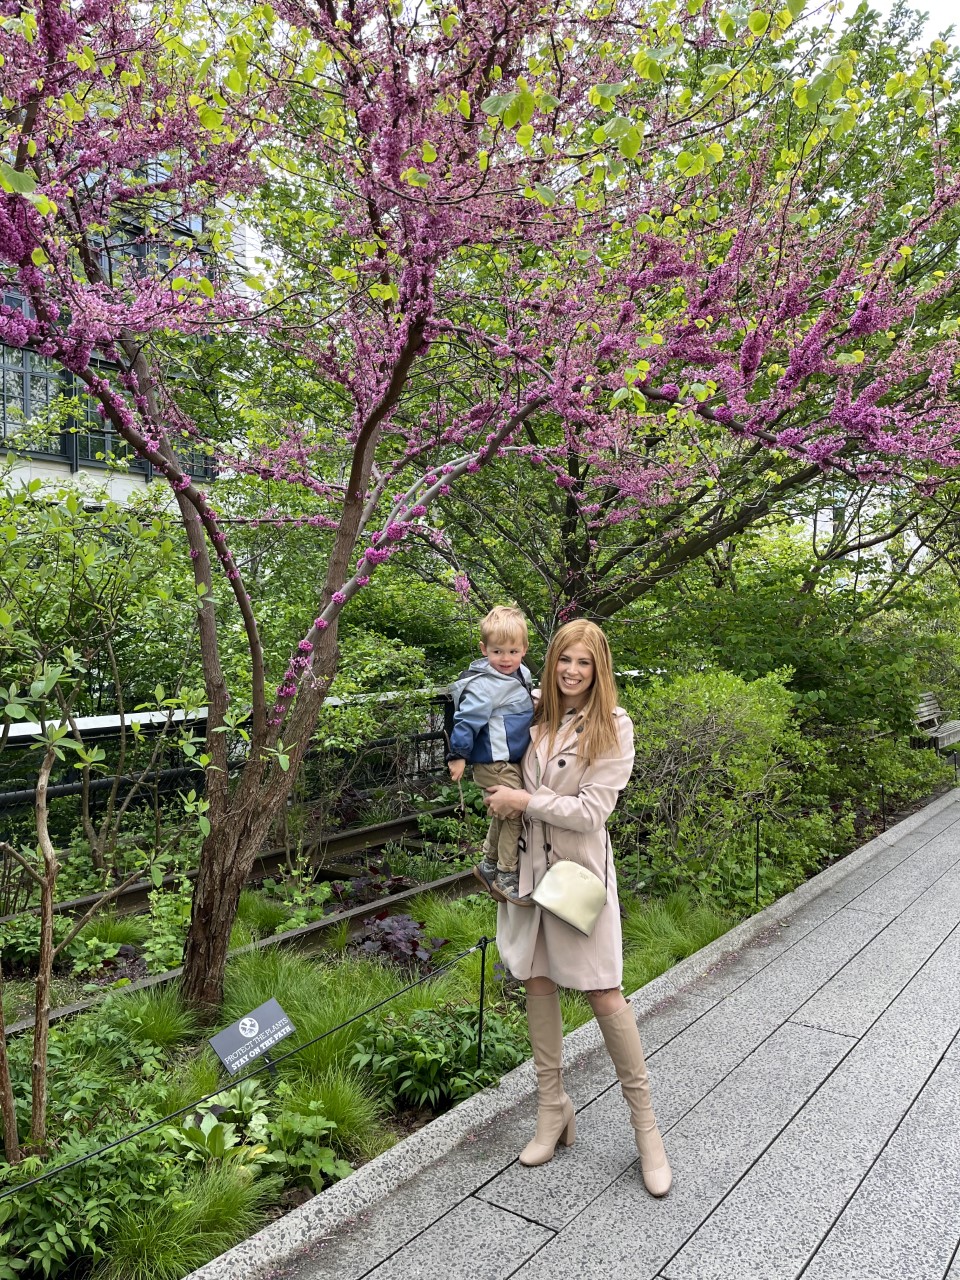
{"type": "Point", "coordinates": [594, 721]}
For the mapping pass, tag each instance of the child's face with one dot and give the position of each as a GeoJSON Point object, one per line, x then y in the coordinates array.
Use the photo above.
{"type": "Point", "coordinates": [504, 656]}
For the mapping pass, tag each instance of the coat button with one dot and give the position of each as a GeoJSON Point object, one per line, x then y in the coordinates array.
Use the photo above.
{"type": "Point", "coordinates": [561, 763]}
{"type": "Point", "coordinates": [547, 848]}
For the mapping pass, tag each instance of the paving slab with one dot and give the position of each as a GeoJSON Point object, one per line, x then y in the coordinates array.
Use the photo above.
{"type": "Point", "coordinates": [626, 1232]}
{"type": "Point", "coordinates": [902, 1222]}
{"type": "Point", "coordinates": [474, 1241]}
{"type": "Point", "coordinates": [858, 994]}
{"type": "Point", "coordinates": [695, 1061]}
{"type": "Point", "coordinates": [756, 1105]}
{"type": "Point", "coordinates": [773, 1220]}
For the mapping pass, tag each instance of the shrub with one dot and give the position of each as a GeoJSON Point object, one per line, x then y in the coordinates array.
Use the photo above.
{"type": "Point", "coordinates": [710, 751]}
{"type": "Point", "coordinates": [430, 1059]}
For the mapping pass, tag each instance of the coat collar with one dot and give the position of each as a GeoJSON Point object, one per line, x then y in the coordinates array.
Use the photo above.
{"type": "Point", "coordinates": [565, 741]}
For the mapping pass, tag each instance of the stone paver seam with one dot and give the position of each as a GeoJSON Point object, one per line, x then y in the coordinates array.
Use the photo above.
{"type": "Point", "coordinates": [883, 1148]}
{"type": "Point", "coordinates": [846, 906]}
{"type": "Point", "coordinates": [407, 1244]}
{"type": "Point", "coordinates": [953, 1258]}
{"type": "Point", "coordinates": [851, 905]}
{"type": "Point", "coordinates": [854, 1042]}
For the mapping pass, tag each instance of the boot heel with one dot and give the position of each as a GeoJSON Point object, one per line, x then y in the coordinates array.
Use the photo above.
{"type": "Point", "coordinates": [569, 1135]}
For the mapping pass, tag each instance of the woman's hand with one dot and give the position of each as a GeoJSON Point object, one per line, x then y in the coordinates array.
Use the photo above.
{"type": "Point", "coordinates": [506, 802]}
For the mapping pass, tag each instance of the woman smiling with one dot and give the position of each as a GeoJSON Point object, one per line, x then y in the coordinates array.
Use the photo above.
{"type": "Point", "coordinates": [579, 760]}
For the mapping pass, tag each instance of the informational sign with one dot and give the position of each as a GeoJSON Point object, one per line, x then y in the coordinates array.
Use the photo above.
{"type": "Point", "coordinates": [252, 1036]}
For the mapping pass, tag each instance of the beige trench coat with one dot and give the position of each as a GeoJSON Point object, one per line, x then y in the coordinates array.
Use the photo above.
{"type": "Point", "coordinates": [566, 818]}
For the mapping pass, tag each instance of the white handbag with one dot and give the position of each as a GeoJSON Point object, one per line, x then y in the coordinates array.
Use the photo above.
{"type": "Point", "coordinates": [572, 894]}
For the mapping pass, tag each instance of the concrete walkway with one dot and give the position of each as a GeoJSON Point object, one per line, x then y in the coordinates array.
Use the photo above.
{"type": "Point", "coordinates": [806, 1073]}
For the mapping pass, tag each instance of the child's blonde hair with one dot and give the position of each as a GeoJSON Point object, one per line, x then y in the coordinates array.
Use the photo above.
{"type": "Point", "coordinates": [504, 623]}
{"type": "Point", "coordinates": [594, 721]}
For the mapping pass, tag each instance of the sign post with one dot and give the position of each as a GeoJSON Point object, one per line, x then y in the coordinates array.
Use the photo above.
{"type": "Point", "coordinates": [252, 1037]}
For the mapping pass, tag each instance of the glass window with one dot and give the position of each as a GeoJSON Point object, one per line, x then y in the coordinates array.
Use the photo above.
{"type": "Point", "coordinates": [28, 384]}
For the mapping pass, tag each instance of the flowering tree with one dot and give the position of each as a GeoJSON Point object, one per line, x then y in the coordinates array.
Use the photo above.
{"type": "Point", "coordinates": [612, 235]}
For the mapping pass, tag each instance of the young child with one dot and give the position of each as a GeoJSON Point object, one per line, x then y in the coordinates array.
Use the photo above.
{"type": "Point", "coordinates": [493, 711]}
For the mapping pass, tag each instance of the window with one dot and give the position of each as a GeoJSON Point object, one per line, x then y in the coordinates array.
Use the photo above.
{"type": "Point", "coordinates": [28, 384]}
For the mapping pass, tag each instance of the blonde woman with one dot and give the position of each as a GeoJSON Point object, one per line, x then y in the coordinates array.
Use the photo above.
{"type": "Point", "coordinates": [579, 760]}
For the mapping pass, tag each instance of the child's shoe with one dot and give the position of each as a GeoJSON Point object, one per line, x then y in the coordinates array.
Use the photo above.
{"type": "Point", "coordinates": [486, 873]}
{"type": "Point", "coordinates": [508, 885]}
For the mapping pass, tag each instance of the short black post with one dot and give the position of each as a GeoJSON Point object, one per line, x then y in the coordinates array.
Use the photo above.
{"type": "Point", "coordinates": [883, 805]}
{"type": "Point", "coordinates": [756, 864]}
{"type": "Point", "coordinates": [956, 772]}
{"type": "Point", "coordinates": [483, 944]}
{"type": "Point", "coordinates": [270, 1067]}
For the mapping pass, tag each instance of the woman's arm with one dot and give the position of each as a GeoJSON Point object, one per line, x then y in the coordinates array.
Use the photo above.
{"type": "Point", "coordinates": [505, 802]}
{"type": "Point", "coordinates": [600, 786]}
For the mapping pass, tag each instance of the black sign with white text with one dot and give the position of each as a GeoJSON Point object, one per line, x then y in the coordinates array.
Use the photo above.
{"type": "Point", "coordinates": [252, 1036]}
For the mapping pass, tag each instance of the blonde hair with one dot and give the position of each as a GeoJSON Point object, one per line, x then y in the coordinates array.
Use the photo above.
{"type": "Point", "coordinates": [504, 623]}
{"type": "Point", "coordinates": [594, 721]}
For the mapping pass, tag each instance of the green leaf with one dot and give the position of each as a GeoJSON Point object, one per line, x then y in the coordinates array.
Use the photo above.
{"type": "Point", "coordinates": [414, 177]}
{"type": "Point", "coordinates": [38, 257]}
{"type": "Point", "coordinates": [525, 135]}
{"type": "Point", "coordinates": [690, 165]}
{"type": "Point", "coordinates": [429, 152]}
{"type": "Point", "coordinates": [796, 7]}
{"type": "Point", "coordinates": [16, 182]}
{"type": "Point", "coordinates": [496, 104]}
{"type": "Point", "coordinates": [758, 22]}
{"type": "Point", "coordinates": [206, 287]}
{"type": "Point", "coordinates": [630, 143]}
{"type": "Point", "coordinates": [545, 195]}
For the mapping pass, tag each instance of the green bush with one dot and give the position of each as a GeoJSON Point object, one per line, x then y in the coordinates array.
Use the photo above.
{"type": "Point", "coordinates": [711, 750]}
{"type": "Point", "coordinates": [430, 1058]}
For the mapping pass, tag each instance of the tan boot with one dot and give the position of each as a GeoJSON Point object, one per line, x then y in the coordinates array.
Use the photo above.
{"type": "Point", "coordinates": [556, 1121]}
{"type": "Point", "coordinates": [622, 1039]}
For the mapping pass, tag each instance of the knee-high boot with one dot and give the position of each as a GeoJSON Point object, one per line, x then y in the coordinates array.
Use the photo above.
{"type": "Point", "coordinates": [556, 1121]}
{"type": "Point", "coordinates": [622, 1039]}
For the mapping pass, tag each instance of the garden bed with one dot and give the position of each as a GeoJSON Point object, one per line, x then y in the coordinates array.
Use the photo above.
{"type": "Point", "coordinates": [188, 1190]}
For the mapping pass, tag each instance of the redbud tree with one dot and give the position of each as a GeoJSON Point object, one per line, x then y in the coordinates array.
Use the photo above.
{"type": "Point", "coordinates": [509, 231]}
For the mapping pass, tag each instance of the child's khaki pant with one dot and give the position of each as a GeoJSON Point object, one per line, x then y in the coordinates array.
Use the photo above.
{"type": "Point", "coordinates": [503, 834]}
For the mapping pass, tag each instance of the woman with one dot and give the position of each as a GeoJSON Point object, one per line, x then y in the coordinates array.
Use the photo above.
{"type": "Point", "coordinates": [579, 760]}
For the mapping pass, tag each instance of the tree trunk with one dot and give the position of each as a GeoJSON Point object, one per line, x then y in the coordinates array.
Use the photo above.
{"type": "Point", "coordinates": [8, 1111]}
{"type": "Point", "coordinates": [41, 1025]}
{"type": "Point", "coordinates": [226, 860]}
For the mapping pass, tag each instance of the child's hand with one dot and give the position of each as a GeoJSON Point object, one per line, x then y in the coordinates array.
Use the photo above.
{"type": "Point", "coordinates": [456, 768]}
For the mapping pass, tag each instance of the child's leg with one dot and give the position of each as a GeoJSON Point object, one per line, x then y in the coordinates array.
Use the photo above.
{"type": "Point", "coordinates": [508, 836]}
{"type": "Point", "coordinates": [486, 775]}
{"type": "Point", "coordinates": [508, 840]}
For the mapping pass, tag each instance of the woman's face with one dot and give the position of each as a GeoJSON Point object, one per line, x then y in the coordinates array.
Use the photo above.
{"type": "Point", "coordinates": [574, 675]}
